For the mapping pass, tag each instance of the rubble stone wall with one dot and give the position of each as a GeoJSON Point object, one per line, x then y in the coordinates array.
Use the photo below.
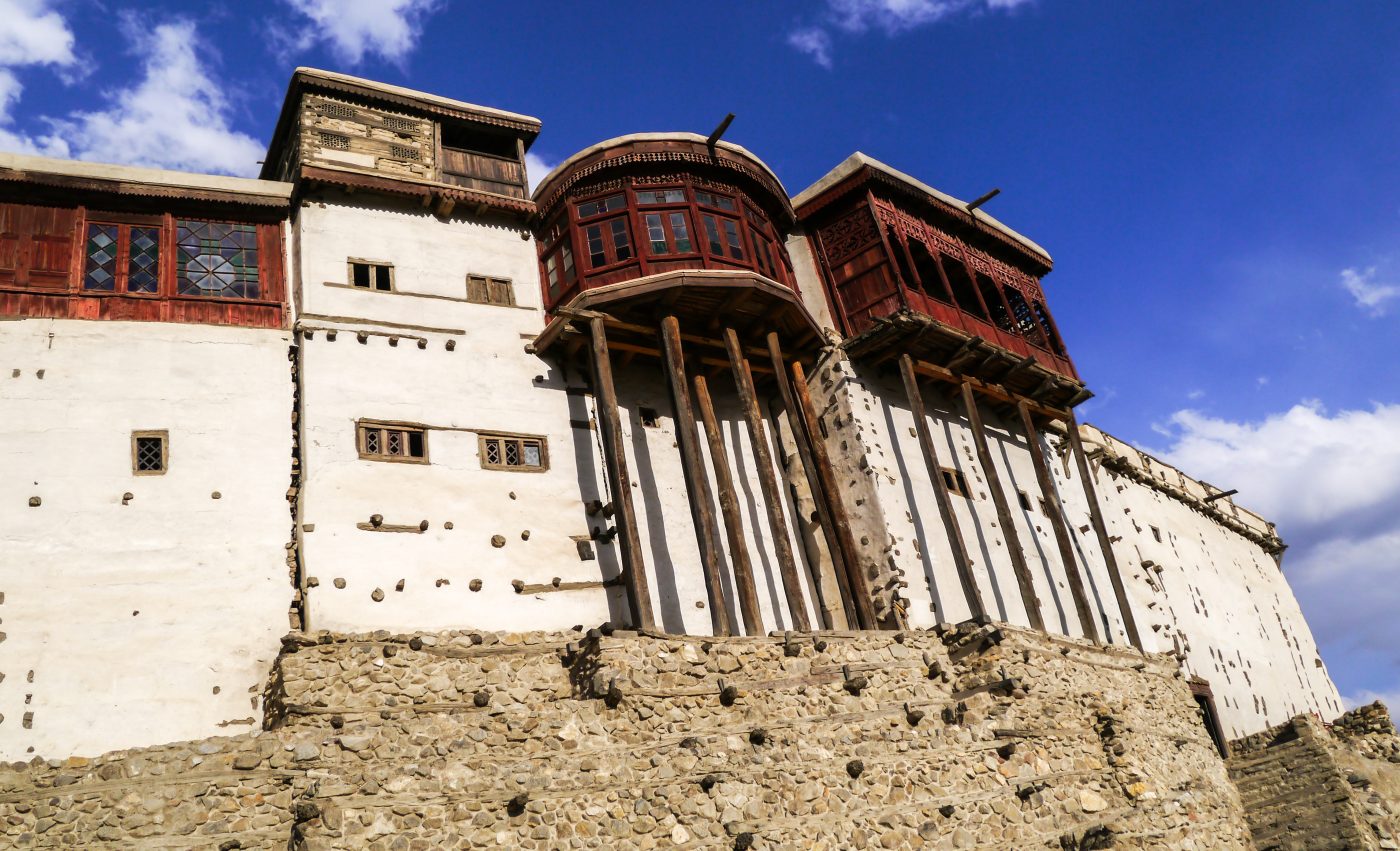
{"type": "Point", "coordinates": [1307, 786]}
{"type": "Point", "coordinates": [974, 737]}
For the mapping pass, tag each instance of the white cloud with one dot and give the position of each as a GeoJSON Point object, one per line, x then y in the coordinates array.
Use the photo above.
{"type": "Point", "coordinates": [536, 167]}
{"type": "Point", "coordinates": [353, 28]}
{"type": "Point", "coordinates": [813, 41]}
{"type": "Point", "coordinates": [1331, 481]}
{"type": "Point", "coordinates": [176, 116]}
{"type": "Point", "coordinates": [32, 34]}
{"type": "Point", "coordinates": [1365, 696]}
{"type": "Point", "coordinates": [1370, 294]}
{"type": "Point", "coordinates": [889, 16]}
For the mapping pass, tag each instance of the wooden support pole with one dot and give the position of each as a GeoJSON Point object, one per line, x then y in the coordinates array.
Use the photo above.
{"type": "Point", "coordinates": [1008, 528]}
{"type": "Point", "coordinates": [729, 507]}
{"type": "Point", "coordinates": [1120, 593]}
{"type": "Point", "coordinates": [940, 490]}
{"type": "Point", "coordinates": [768, 483]}
{"type": "Point", "coordinates": [804, 453]}
{"type": "Point", "coordinates": [1057, 522]}
{"type": "Point", "coordinates": [697, 482]}
{"type": "Point", "coordinates": [857, 583]}
{"type": "Point", "coordinates": [619, 483]}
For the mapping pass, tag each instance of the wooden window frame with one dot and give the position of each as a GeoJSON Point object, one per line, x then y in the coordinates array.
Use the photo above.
{"type": "Point", "coordinates": [491, 285]}
{"type": "Point", "coordinates": [383, 427]}
{"type": "Point", "coordinates": [164, 436]}
{"type": "Point", "coordinates": [350, 274]}
{"type": "Point", "coordinates": [668, 231]}
{"type": "Point", "coordinates": [485, 437]}
{"type": "Point", "coordinates": [609, 236]}
{"type": "Point", "coordinates": [121, 281]}
{"type": "Point", "coordinates": [956, 482]}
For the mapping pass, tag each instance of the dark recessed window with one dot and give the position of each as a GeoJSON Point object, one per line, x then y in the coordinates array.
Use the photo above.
{"type": "Point", "coordinates": [649, 416]}
{"type": "Point", "coordinates": [1024, 500]}
{"type": "Point", "coordinates": [515, 453]}
{"type": "Point", "coordinates": [661, 196]}
{"type": "Point", "coordinates": [622, 244]}
{"type": "Point", "coordinates": [954, 481]}
{"type": "Point", "coordinates": [719, 202]}
{"type": "Point", "coordinates": [589, 209]}
{"type": "Point", "coordinates": [392, 442]}
{"type": "Point", "coordinates": [150, 453]}
{"type": "Point", "coordinates": [371, 275]}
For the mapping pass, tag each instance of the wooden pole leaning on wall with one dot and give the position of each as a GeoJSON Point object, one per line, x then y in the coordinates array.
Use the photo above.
{"type": "Point", "coordinates": [768, 482]}
{"type": "Point", "coordinates": [1008, 529]}
{"type": "Point", "coordinates": [697, 483]}
{"type": "Point", "coordinates": [856, 581]}
{"type": "Point", "coordinates": [729, 507]}
{"type": "Point", "coordinates": [804, 454]}
{"type": "Point", "coordinates": [961, 561]}
{"type": "Point", "coordinates": [1120, 593]}
{"type": "Point", "coordinates": [619, 483]}
{"type": "Point", "coordinates": [1057, 522]}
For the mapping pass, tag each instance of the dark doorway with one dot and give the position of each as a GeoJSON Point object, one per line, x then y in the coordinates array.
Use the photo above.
{"type": "Point", "coordinates": [1205, 699]}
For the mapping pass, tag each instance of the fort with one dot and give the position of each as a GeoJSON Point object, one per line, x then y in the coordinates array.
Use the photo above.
{"type": "Point", "coordinates": [383, 502]}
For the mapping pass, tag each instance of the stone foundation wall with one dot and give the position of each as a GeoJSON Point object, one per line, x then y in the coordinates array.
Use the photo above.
{"type": "Point", "coordinates": [1307, 786]}
{"type": "Point", "coordinates": [975, 737]}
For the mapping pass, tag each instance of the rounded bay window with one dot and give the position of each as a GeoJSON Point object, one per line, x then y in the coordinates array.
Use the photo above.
{"type": "Point", "coordinates": [644, 205]}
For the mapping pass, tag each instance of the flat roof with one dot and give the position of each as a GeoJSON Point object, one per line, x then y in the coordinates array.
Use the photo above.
{"type": "Point", "coordinates": [858, 160]}
{"type": "Point", "coordinates": [412, 94]}
{"type": "Point", "coordinates": [138, 180]}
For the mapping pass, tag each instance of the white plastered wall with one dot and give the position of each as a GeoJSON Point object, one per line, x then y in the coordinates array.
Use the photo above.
{"type": "Point", "coordinates": [157, 619]}
{"type": "Point", "coordinates": [487, 382]}
{"type": "Point", "coordinates": [881, 431]}
{"type": "Point", "coordinates": [1206, 591]}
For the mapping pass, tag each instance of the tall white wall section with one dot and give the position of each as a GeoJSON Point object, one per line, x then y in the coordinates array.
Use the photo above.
{"type": "Point", "coordinates": [143, 608]}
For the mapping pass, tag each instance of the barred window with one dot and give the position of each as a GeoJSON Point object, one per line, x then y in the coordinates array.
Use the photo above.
{"type": "Point", "coordinates": [403, 152]}
{"type": "Point", "coordinates": [338, 110]}
{"type": "Point", "coordinates": [516, 453]}
{"type": "Point", "coordinates": [150, 455]}
{"type": "Point", "coordinates": [955, 482]}
{"type": "Point", "coordinates": [336, 141]}
{"type": "Point", "coordinates": [392, 442]}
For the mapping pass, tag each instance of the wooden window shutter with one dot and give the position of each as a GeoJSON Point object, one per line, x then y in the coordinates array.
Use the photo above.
{"type": "Point", "coordinates": [36, 245]}
{"type": "Point", "coordinates": [501, 292]}
{"type": "Point", "coordinates": [477, 290]}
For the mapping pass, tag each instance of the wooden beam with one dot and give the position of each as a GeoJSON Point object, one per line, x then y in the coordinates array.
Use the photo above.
{"type": "Point", "coordinates": [1008, 528]}
{"type": "Point", "coordinates": [729, 507]}
{"type": "Point", "coordinates": [940, 490]}
{"type": "Point", "coordinates": [1087, 621]}
{"type": "Point", "coordinates": [856, 580]}
{"type": "Point", "coordinates": [1120, 593]}
{"type": "Point", "coordinates": [732, 302]}
{"type": "Point", "coordinates": [697, 483]}
{"type": "Point", "coordinates": [804, 453]}
{"type": "Point", "coordinates": [619, 483]}
{"type": "Point", "coordinates": [988, 389]}
{"type": "Point", "coordinates": [768, 483]}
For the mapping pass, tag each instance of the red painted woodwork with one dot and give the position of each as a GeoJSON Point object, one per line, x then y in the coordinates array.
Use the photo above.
{"type": "Point", "coordinates": [42, 262]}
{"type": "Point", "coordinates": [880, 257]}
{"type": "Point", "coordinates": [733, 213]}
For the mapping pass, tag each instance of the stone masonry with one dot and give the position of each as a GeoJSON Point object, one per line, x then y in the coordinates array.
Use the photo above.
{"type": "Point", "coordinates": [970, 737]}
{"type": "Point", "coordinates": [1306, 787]}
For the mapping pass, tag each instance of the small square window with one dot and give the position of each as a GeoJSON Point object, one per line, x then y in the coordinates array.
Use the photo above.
{"type": "Point", "coordinates": [1024, 500]}
{"type": "Point", "coordinates": [484, 290]}
{"type": "Point", "coordinates": [955, 482]}
{"type": "Point", "coordinates": [393, 442]}
{"type": "Point", "coordinates": [516, 453]}
{"type": "Point", "coordinates": [150, 454]}
{"type": "Point", "coordinates": [372, 275]}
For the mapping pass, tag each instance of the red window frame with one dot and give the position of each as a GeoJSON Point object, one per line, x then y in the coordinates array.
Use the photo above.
{"type": "Point", "coordinates": [121, 279]}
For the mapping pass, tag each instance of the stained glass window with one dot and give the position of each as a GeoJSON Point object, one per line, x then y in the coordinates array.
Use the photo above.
{"type": "Point", "coordinates": [101, 271]}
{"type": "Point", "coordinates": [217, 259]}
{"type": "Point", "coordinates": [143, 264]}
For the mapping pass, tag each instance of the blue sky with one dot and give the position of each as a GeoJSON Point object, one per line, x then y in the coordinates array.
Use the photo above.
{"type": "Point", "coordinates": [1218, 183]}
